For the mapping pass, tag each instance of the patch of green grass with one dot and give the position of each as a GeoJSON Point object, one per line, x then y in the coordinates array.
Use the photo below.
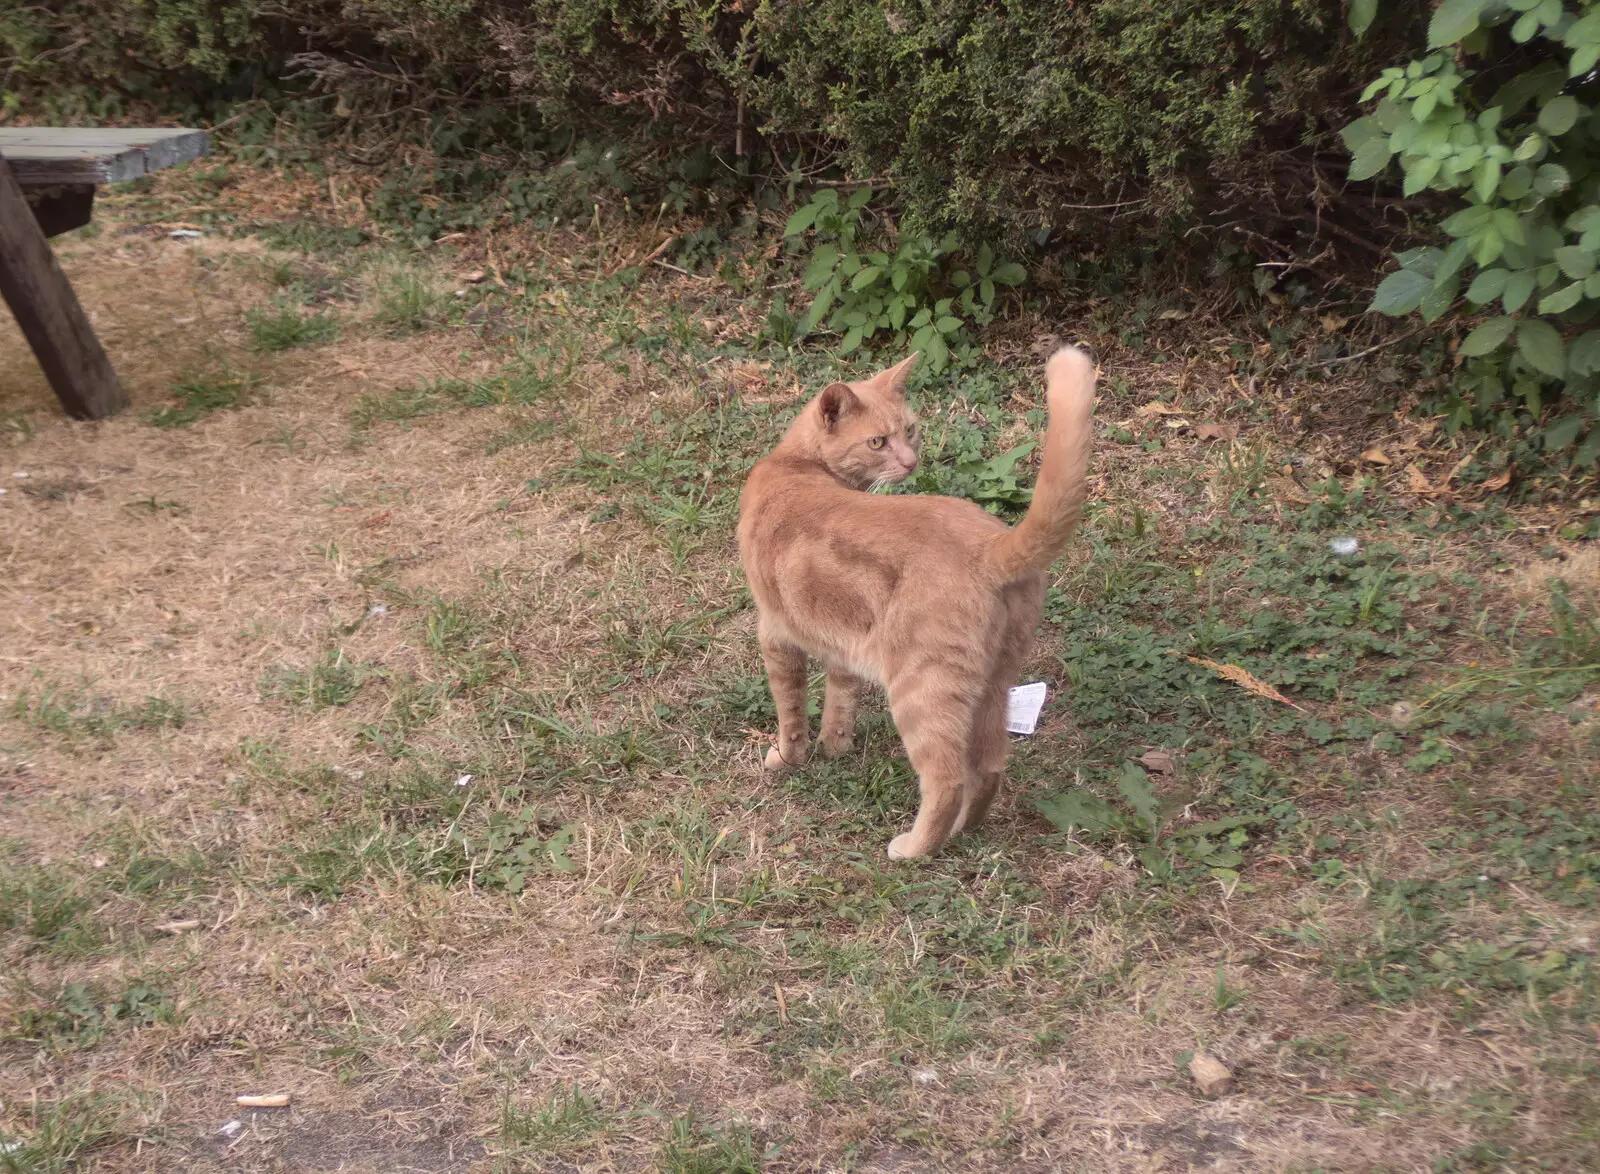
{"type": "Point", "coordinates": [529, 431]}
{"type": "Point", "coordinates": [197, 397]}
{"type": "Point", "coordinates": [81, 1015]}
{"type": "Point", "coordinates": [333, 681]}
{"type": "Point", "coordinates": [287, 327]}
{"type": "Point", "coordinates": [309, 236]}
{"type": "Point", "coordinates": [729, 1148]}
{"type": "Point", "coordinates": [77, 715]}
{"type": "Point", "coordinates": [49, 910]}
{"type": "Point", "coordinates": [59, 1136]}
{"type": "Point", "coordinates": [339, 860]}
{"type": "Point", "coordinates": [568, 1116]}
{"type": "Point", "coordinates": [409, 303]}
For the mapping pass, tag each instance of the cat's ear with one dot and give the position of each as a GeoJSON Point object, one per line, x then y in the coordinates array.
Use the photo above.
{"type": "Point", "coordinates": [835, 401]}
{"type": "Point", "coordinates": [896, 377]}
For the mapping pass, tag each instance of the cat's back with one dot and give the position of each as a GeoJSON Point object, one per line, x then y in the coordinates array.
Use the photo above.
{"type": "Point", "coordinates": [787, 502]}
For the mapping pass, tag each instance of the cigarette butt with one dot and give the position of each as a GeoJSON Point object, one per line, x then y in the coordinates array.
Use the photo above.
{"type": "Point", "coordinates": [277, 1100]}
{"type": "Point", "coordinates": [177, 926]}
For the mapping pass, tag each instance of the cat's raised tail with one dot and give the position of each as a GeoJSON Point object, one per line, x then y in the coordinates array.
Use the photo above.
{"type": "Point", "coordinates": [1033, 543]}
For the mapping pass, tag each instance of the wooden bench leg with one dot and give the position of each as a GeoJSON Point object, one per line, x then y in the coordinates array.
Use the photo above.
{"type": "Point", "coordinates": [48, 311]}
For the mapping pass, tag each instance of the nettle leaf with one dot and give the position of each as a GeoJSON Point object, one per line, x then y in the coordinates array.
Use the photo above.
{"type": "Point", "coordinates": [1519, 288]}
{"type": "Point", "coordinates": [1487, 285]}
{"type": "Point", "coordinates": [1009, 273]}
{"type": "Point", "coordinates": [1575, 262]}
{"type": "Point", "coordinates": [823, 260]}
{"type": "Point", "coordinates": [1487, 180]}
{"type": "Point", "coordinates": [1557, 116]}
{"type": "Point", "coordinates": [1490, 336]}
{"type": "Point", "coordinates": [1135, 786]}
{"type": "Point", "coordinates": [1540, 344]}
{"type": "Point", "coordinates": [1400, 293]}
{"type": "Point", "coordinates": [1361, 14]}
{"type": "Point", "coordinates": [865, 278]}
{"type": "Point", "coordinates": [985, 260]}
{"type": "Point", "coordinates": [1551, 179]}
{"type": "Point", "coordinates": [801, 220]}
{"type": "Point", "coordinates": [1453, 20]}
{"type": "Point", "coordinates": [1562, 300]}
{"type": "Point", "coordinates": [1563, 432]}
{"type": "Point", "coordinates": [1424, 260]}
{"type": "Point", "coordinates": [1584, 355]}
{"type": "Point", "coordinates": [1439, 298]}
{"type": "Point", "coordinates": [1468, 220]}
{"type": "Point", "coordinates": [1362, 130]}
{"type": "Point", "coordinates": [1078, 808]}
{"type": "Point", "coordinates": [1453, 259]}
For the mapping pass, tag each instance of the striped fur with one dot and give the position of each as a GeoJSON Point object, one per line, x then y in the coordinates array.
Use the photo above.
{"type": "Point", "coordinates": [928, 596]}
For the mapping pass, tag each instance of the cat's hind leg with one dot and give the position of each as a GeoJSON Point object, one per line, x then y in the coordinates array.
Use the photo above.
{"type": "Point", "coordinates": [990, 746]}
{"type": "Point", "coordinates": [839, 712]}
{"type": "Point", "coordinates": [786, 676]}
{"type": "Point", "coordinates": [935, 722]}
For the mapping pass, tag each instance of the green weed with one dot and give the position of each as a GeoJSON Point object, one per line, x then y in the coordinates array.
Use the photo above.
{"type": "Point", "coordinates": [286, 327]}
{"type": "Point", "coordinates": [568, 1116]}
{"type": "Point", "coordinates": [199, 396]}
{"type": "Point", "coordinates": [333, 681]}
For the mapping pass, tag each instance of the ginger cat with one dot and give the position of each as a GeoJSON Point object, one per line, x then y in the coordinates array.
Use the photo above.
{"type": "Point", "coordinates": [928, 596]}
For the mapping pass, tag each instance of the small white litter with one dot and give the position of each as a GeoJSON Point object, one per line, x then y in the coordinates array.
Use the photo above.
{"type": "Point", "coordinates": [464, 780]}
{"type": "Point", "coordinates": [232, 1128]}
{"type": "Point", "coordinates": [378, 609]}
{"type": "Point", "coordinates": [1023, 704]}
{"type": "Point", "coordinates": [1343, 546]}
{"type": "Point", "coordinates": [925, 1076]}
{"type": "Point", "coordinates": [184, 234]}
{"type": "Point", "coordinates": [20, 475]}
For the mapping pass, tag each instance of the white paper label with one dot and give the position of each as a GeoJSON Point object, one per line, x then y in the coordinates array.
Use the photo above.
{"type": "Point", "coordinates": [1023, 704]}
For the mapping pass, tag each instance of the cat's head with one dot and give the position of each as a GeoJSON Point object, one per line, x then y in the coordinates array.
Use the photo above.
{"type": "Point", "coordinates": [865, 432]}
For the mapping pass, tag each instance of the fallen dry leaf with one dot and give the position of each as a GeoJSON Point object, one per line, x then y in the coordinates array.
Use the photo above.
{"type": "Point", "coordinates": [1498, 482]}
{"type": "Point", "coordinates": [1242, 678]}
{"type": "Point", "coordinates": [1213, 1077]}
{"type": "Point", "coordinates": [1159, 761]}
{"type": "Point", "coordinates": [1333, 322]}
{"type": "Point", "coordinates": [1376, 456]}
{"type": "Point", "coordinates": [1420, 483]}
{"type": "Point", "coordinates": [1214, 431]}
{"type": "Point", "coordinates": [1286, 489]}
{"type": "Point", "coordinates": [1157, 408]}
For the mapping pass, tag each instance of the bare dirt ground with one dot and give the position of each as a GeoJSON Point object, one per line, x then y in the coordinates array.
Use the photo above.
{"type": "Point", "coordinates": [382, 719]}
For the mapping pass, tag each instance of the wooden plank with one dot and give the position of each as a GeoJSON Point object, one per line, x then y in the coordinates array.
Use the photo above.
{"type": "Point", "coordinates": [42, 155]}
{"type": "Point", "coordinates": [48, 312]}
{"type": "Point", "coordinates": [61, 209]}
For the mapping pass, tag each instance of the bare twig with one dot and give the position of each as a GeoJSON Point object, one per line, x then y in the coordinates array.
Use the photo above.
{"type": "Point", "coordinates": [1370, 350]}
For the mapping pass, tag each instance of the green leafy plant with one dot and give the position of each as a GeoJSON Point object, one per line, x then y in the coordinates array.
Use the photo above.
{"type": "Point", "coordinates": [513, 847]}
{"type": "Point", "coordinates": [285, 327]}
{"type": "Point", "coordinates": [1213, 845]}
{"type": "Point", "coordinates": [904, 294]}
{"type": "Point", "coordinates": [1521, 152]}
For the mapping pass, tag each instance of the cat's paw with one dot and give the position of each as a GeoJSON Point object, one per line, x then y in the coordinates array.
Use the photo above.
{"type": "Point", "coordinates": [903, 848]}
{"type": "Point", "coordinates": [834, 747]}
{"type": "Point", "coordinates": [776, 763]}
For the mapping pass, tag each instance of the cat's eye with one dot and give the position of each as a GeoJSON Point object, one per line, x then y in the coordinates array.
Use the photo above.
{"type": "Point", "coordinates": [877, 442]}
{"type": "Point", "coordinates": [911, 433]}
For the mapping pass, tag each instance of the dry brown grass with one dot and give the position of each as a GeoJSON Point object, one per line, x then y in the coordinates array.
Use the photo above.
{"type": "Point", "coordinates": [404, 1013]}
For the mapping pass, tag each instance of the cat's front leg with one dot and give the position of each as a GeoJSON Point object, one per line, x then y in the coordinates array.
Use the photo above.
{"type": "Point", "coordinates": [839, 712]}
{"type": "Point", "coordinates": [786, 677]}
